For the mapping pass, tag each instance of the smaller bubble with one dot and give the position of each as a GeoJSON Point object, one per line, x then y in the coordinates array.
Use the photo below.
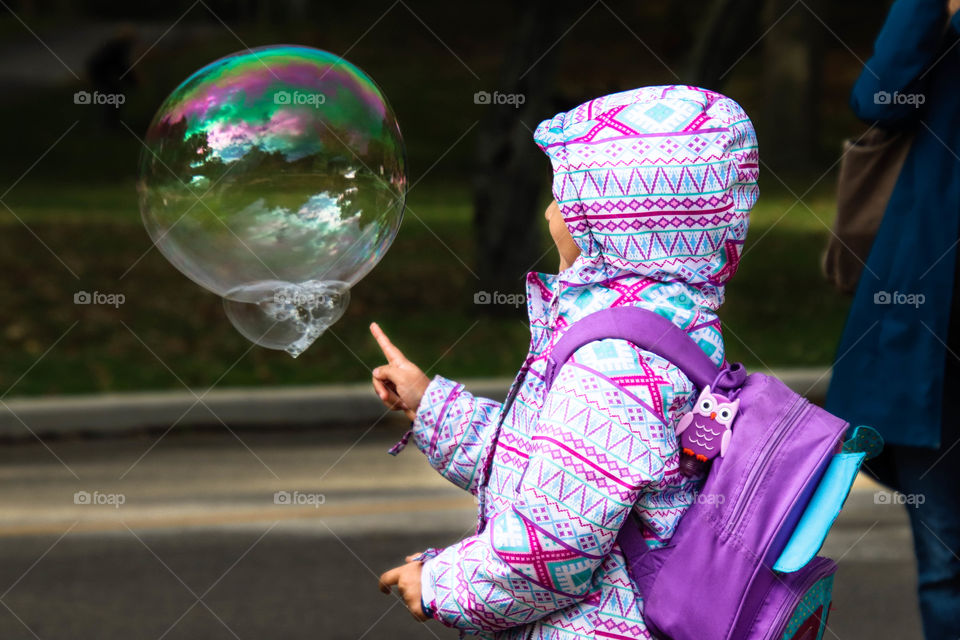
{"type": "Point", "coordinates": [284, 315]}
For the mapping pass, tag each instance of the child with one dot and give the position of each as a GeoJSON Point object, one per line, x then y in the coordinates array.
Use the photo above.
{"type": "Point", "coordinates": [652, 189]}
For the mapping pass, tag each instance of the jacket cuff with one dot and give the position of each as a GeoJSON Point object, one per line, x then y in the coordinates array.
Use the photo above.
{"type": "Point", "coordinates": [955, 22]}
{"type": "Point", "coordinates": [428, 599]}
{"type": "Point", "coordinates": [427, 611]}
{"type": "Point", "coordinates": [430, 412]}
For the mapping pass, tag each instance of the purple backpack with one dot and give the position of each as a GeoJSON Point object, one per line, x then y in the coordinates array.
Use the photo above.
{"type": "Point", "coordinates": [741, 563]}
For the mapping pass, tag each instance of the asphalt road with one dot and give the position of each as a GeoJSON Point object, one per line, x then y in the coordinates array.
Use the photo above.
{"type": "Point", "coordinates": [186, 537]}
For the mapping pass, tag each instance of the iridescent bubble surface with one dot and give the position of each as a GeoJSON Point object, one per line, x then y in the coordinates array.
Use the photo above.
{"type": "Point", "coordinates": [275, 178]}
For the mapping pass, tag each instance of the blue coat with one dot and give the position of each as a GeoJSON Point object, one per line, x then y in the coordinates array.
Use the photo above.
{"type": "Point", "coordinates": [889, 367]}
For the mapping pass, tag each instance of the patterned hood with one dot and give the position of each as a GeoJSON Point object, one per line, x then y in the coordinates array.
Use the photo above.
{"type": "Point", "coordinates": [655, 185]}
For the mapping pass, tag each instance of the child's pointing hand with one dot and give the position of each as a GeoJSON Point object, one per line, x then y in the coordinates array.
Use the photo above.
{"type": "Point", "coordinates": [399, 383]}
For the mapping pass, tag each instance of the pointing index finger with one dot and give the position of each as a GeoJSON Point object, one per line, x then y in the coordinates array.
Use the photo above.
{"type": "Point", "coordinates": [393, 354]}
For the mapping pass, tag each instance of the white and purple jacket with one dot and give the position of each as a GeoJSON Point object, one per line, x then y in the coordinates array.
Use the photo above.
{"type": "Point", "coordinates": [655, 185]}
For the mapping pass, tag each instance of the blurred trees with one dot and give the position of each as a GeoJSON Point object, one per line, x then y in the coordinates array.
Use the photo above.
{"type": "Point", "coordinates": [727, 29]}
{"type": "Point", "coordinates": [792, 73]}
{"type": "Point", "coordinates": [791, 38]}
{"type": "Point", "coordinates": [510, 171]}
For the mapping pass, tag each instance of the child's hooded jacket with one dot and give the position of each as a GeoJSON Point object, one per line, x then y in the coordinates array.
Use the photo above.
{"type": "Point", "coordinates": [655, 185]}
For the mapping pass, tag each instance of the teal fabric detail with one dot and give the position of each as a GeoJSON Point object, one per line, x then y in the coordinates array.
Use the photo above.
{"type": "Point", "coordinates": [583, 300]}
{"type": "Point", "coordinates": [707, 347]}
{"type": "Point", "coordinates": [819, 515]}
{"type": "Point", "coordinates": [863, 439]}
{"type": "Point", "coordinates": [660, 112]}
{"type": "Point", "coordinates": [819, 595]}
{"type": "Point", "coordinates": [604, 350]}
{"type": "Point", "coordinates": [682, 301]}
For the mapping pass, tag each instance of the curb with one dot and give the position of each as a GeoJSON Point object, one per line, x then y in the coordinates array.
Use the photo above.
{"type": "Point", "coordinates": [254, 407]}
{"type": "Point", "coordinates": [257, 407]}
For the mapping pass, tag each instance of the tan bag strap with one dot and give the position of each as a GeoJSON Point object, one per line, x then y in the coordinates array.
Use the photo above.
{"type": "Point", "coordinates": [869, 170]}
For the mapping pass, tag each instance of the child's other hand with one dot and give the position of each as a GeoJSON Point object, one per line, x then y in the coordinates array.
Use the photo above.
{"type": "Point", "coordinates": [399, 383]}
{"type": "Point", "coordinates": [407, 579]}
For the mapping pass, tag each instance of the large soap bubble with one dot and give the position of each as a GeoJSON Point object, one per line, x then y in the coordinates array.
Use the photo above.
{"type": "Point", "coordinates": [275, 177]}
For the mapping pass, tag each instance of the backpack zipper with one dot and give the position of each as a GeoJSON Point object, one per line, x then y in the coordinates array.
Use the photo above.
{"type": "Point", "coordinates": [796, 411]}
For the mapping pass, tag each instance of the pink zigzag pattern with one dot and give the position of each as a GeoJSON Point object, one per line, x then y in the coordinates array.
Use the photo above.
{"type": "Point", "coordinates": [649, 204]}
{"type": "Point", "coordinates": [630, 162]}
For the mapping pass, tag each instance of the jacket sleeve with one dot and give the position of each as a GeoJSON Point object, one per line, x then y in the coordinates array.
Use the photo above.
{"type": "Point", "coordinates": [452, 429]}
{"type": "Point", "coordinates": [595, 449]}
{"type": "Point", "coordinates": [907, 47]}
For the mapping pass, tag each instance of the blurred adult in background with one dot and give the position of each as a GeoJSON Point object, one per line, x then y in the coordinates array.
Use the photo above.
{"type": "Point", "coordinates": [898, 363]}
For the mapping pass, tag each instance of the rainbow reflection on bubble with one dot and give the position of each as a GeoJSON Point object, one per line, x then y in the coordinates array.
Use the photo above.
{"type": "Point", "coordinates": [275, 177]}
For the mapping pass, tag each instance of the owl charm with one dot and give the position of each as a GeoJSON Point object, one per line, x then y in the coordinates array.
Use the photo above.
{"type": "Point", "coordinates": [704, 432]}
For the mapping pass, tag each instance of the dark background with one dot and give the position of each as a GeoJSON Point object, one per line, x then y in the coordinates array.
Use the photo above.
{"type": "Point", "coordinates": [474, 222]}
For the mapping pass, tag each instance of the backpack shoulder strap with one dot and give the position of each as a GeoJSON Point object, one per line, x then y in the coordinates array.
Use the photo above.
{"type": "Point", "coordinates": [651, 332]}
